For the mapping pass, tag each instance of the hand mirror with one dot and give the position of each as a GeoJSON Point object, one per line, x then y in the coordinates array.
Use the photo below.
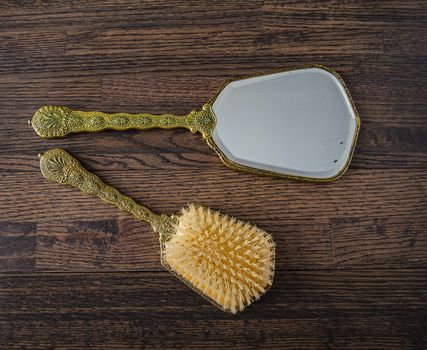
{"type": "Point", "coordinates": [299, 122]}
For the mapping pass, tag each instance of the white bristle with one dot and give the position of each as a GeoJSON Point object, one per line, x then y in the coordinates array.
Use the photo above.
{"type": "Point", "coordinates": [229, 261]}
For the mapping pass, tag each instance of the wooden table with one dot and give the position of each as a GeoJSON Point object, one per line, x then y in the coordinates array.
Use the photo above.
{"type": "Point", "coordinates": [351, 254]}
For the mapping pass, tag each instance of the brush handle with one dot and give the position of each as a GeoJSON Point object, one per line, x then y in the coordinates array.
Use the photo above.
{"type": "Point", "coordinates": [55, 121]}
{"type": "Point", "coordinates": [58, 165]}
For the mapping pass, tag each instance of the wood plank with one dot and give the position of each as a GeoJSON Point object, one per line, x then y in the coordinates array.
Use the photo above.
{"type": "Point", "coordinates": [115, 244]}
{"type": "Point", "coordinates": [327, 40]}
{"type": "Point", "coordinates": [371, 13]}
{"type": "Point", "coordinates": [323, 309]}
{"type": "Point", "coordinates": [146, 41]}
{"type": "Point", "coordinates": [381, 241]}
{"type": "Point", "coordinates": [30, 93]}
{"type": "Point", "coordinates": [105, 13]}
{"type": "Point", "coordinates": [135, 332]}
{"type": "Point", "coordinates": [231, 40]}
{"type": "Point", "coordinates": [149, 13]}
{"type": "Point", "coordinates": [390, 193]}
{"type": "Point", "coordinates": [410, 42]}
{"type": "Point", "coordinates": [95, 64]}
{"type": "Point", "coordinates": [18, 246]}
{"type": "Point", "coordinates": [19, 44]}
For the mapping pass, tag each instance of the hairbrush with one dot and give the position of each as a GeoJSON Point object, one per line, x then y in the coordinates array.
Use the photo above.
{"type": "Point", "coordinates": [227, 261]}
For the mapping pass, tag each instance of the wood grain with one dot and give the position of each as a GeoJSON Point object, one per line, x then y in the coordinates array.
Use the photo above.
{"type": "Point", "coordinates": [351, 254]}
{"type": "Point", "coordinates": [303, 309]}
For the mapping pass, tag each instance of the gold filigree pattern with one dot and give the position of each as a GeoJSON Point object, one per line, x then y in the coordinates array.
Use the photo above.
{"type": "Point", "coordinates": [55, 121]}
{"type": "Point", "coordinates": [58, 165]}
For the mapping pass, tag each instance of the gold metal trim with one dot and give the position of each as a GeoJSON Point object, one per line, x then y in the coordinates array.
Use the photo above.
{"type": "Point", "coordinates": [235, 166]}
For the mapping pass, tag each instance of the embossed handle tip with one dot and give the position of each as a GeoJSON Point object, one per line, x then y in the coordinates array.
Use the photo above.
{"type": "Point", "coordinates": [53, 121]}
{"type": "Point", "coordinates": [56, 163]}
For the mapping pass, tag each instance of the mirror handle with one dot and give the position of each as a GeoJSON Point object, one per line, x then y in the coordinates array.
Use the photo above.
{"type": "Point", "coordinates": [55, 121]}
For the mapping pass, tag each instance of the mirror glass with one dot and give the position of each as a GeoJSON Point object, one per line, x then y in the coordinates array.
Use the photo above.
{"type": "Point", "coordinates": [299, 123]}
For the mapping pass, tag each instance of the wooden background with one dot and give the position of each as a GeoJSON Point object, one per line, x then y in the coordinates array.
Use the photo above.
{"type": "Point", "coordinates": [351, 255]}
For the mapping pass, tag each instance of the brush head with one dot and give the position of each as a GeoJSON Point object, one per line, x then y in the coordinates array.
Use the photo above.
{"type": "Point", "coordinates": [228, 261]}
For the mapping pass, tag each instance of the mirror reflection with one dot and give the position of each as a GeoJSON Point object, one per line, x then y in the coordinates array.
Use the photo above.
{"type": "Point", "coordinates": [300, 122]}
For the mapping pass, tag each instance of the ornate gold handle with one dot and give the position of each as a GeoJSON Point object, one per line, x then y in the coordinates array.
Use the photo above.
{"type": "Point", "coordinates": [54, 121]}
{"type": "Point", "coordinates": [58, 165]}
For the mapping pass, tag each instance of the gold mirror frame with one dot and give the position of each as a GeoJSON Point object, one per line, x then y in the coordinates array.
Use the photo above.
{"type": "Point", "coordinates": [236, 166]}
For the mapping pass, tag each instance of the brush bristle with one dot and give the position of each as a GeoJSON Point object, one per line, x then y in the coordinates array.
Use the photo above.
{"type": "Point", "coordinates": [229, 261]}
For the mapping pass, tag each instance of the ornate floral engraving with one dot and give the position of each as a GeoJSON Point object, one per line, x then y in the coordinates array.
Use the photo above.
{"type": "Point", "coordinates": [165, 225]}
{"type": "Point", "coordinates": [143, 121]}
{"type": "Point", "coordinates": [120, 121]}
{"type": "Point", "coordinates": [94, 123]}
{"type": "Point", "coordinates": [58, 165]}
{"type": "Point", "coordinates": [49, 121]}
{"type": "Point", "coordinates": [205, 121]}
{"type": "Point", "coordinates": [75, 177]}
{"type": "Point", "coordinates": [74, 123]}
{"type": "Point", "coordinates": [53, 121]}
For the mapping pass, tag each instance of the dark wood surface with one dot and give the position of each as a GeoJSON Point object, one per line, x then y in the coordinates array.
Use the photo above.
{"type": "Point", "coordinates": [351, 255]}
